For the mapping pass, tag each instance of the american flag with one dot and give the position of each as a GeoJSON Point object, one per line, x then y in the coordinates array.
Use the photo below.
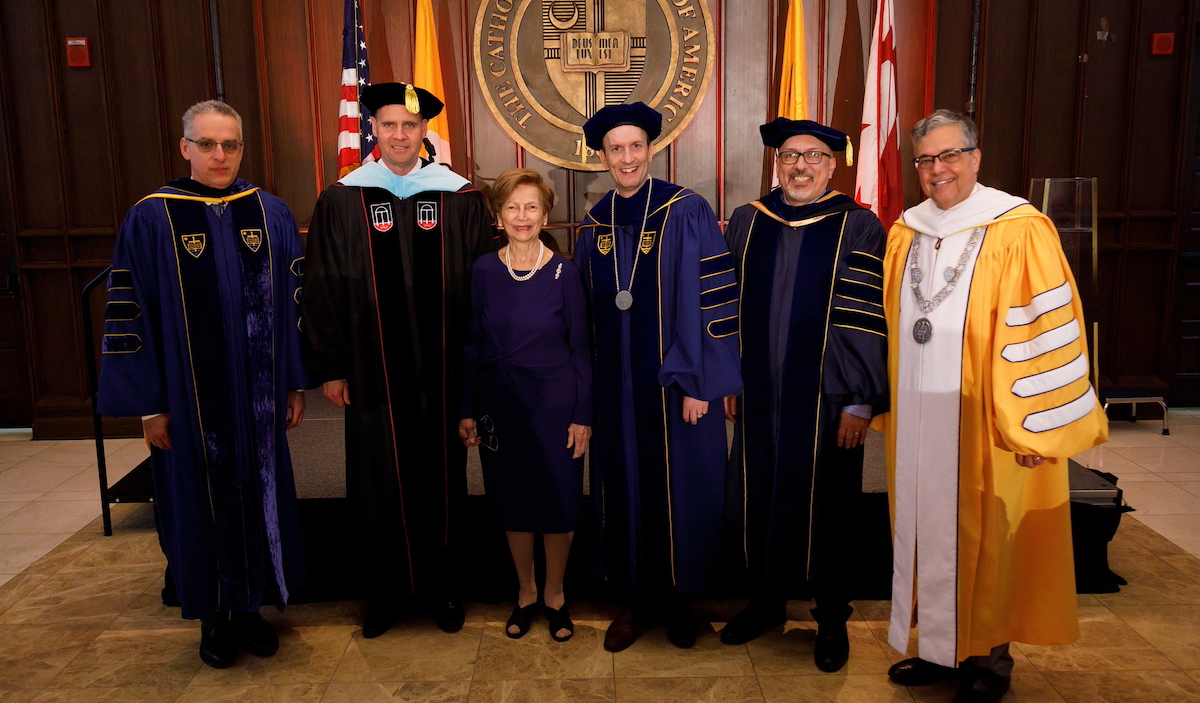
{"type": "Point", "coordinates": [356, 141]}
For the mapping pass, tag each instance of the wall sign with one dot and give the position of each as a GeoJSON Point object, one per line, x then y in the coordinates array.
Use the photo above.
{"type": "Point", "coordinates": [546, 66]}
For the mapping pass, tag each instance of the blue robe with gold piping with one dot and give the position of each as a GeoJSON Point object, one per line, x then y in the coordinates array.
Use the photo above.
{"type": "Point", "coordinates": [202, 322]}
{"type": "Point", "coordinates": [814, 341]}
{"type": "Point", "coordinates": [658, 482]}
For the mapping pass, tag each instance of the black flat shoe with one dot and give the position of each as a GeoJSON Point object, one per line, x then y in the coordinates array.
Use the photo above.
{"type": "Point", "coordinates": [522, 618]}
{"type": "Point", "coordinates": [982, 687]}
{"type": "Point", "coordinates": [218, 642]}
{"type": "Point", "coordinates": [560, 620]}
{"type": "Point", "coordinates": [918, 672]}
{"type": "Point", "coordinates": [379, 619]}
{"type": "Point", "coordinates": [753, 621]}
{"type": "Point", "coordinates": [257, 636]}
{"type": "Point", "coordinates": [449, 615]}
{"type": "Point", "coordinates": [681, 625]}
{"type": "Point", "coordinates": [833, 647]}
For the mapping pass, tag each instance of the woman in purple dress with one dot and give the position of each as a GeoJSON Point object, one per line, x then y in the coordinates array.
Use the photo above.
{"type": "Point", "coordinates": [528, 393]}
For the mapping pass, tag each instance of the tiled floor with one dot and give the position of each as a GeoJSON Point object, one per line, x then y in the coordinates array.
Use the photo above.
{"type": "Point", "coordinates": [81, 618]}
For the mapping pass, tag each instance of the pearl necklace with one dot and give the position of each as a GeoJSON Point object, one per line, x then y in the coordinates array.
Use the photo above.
{"type": "Point", "coordinates": [536, 266]}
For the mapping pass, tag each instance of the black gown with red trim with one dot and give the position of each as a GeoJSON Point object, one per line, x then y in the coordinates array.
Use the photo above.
{"type": "Point", "coordinates": [386, 306]}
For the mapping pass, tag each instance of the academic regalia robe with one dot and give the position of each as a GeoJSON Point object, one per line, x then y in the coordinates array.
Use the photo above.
{"type": "Point", "coordinates": [658, 481]}
{"type": "Point", "coordinates": [813, 341]}
{"type": "Point", "coordinates": [386, 305]}
{"type": "Point", "coordinates": [202, 323]}
{"type": "Point", "coordinates": [982, 545]}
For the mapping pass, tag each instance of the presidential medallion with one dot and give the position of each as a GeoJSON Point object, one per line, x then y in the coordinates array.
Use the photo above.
{"type": "Point", "coordinates": [922, 330]}
{"type": "Point", "coordinates": [624, 300]}
{"type": "Point", "coordinates": [546, 66]}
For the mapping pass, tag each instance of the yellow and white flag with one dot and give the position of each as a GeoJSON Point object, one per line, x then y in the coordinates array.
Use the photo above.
{"type": "Point", "coordinates": [427, 74]}
{"type": "Point", "coordinates": [793, 79]}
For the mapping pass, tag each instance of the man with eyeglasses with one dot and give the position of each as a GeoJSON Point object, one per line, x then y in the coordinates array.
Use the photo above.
{"type": "Point", "coordinates": [201, 340]}
{"type": "Point", "coordinates": [810, 264]}
{"type": "Point", "coordinates": [386, 305]}
{"type": "Point", "coordinates": [990, 396]}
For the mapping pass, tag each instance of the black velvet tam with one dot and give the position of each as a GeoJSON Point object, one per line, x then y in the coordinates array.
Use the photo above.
{"type": "Point", "coordinates": [775, 133]}
{"type": "Point", "coordinates": [612, 116]}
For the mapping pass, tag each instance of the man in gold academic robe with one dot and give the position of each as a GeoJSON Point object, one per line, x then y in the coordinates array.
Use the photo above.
{"type": "Point", "coordinates": [990, 395]}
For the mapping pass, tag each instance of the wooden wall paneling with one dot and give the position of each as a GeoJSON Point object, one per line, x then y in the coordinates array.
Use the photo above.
{"type": "Point", "coordinates": [1054, 91]}
{"type": "Point", "coordinates": [911, 46]}
{"type": "Point", "coordinates": [1155, 109]}
{"type": "Point", "coordinates": [1003, 107]}
{"type": "Point", "coordinates": [1185, 345]}
{"type": "Point", "coordinates": [287, 99]}
{"type": "Point", "coordinates": [15, 410]}
{"type": "Point", "coordinates": [747, 100]}
{"type": "Point", "coordinates": [141, 146]}
{"type": "Point", "coordinates": [1109, 81]}
{"type": "Point", "coordinates": [56, 378]}
{"type": "Point", "coordinates": [399, 17]}
{"type": "Point", "coordinates": [185, 59]}
{"type": "Point", "coordinates": [953, 67]}
{"type": "Point", "coordinates": [239, 70]}
{"type": "Point", "coordinates": [1140, 315]}
{"type": "Point", "coordinates": [453, 45]}
{"type": "Point", "coordinates": [326, 21]}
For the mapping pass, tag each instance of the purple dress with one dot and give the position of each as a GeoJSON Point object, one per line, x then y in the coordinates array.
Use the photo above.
{"type": "Point", "coordinates": [529, 376]}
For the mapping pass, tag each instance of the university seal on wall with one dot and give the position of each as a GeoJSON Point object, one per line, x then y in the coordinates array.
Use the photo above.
{"type": "Point", "coordinates": [546, 66]}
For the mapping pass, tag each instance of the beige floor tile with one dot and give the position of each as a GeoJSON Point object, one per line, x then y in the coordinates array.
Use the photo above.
{"type": "Point", "coordinates": [13, 453]}
{"type": "Point", "coordinates": [828, 689]}
{"type": "Point", "coordinates": [1195, 674]}
{"type": "Point", "coordinates": [791, 653]}
{"type": "Point", "coordinates": [1187, 434]}
{"type": "Point", "coordinates": [102, 694]}
{"type": "Point", "coordinates": [59, 455]}
{"type": "Point", "coordinates": [1162, 498]}
{"type": "Point", "coordinates": [1174, 630]}
{"type": "Point", "coordinates": [18, 586]}
{"type": "Point", "coordinates": [1106, 459]}
{"type": "Point", "coordinates": [1132, 529]}
{"type": "Point", "coordinates": [1152, 581]}
{"type": "Point", "coordinates": [654, 656]}
{"type": "Point", "coordinates": [1192, 487]}
{"type": "Point", "coordinates": [1183, 476]}
{"type": "Point", "coordinates": [1105, 643]}
{"type": "Point", "coordinates": [543, 691]}
{"type": "Point", "coordinates": [18, 552]}
{"type": "Point", "coordinates": [1188, 564]}
{"type": "Point", "coordinates": [306, 655]}
{"type": "Point", "coordinates": [410, 652]}
{"type": "Point", "coordinates": [1123, 435]}
{"type": "Point", "coordinates": [254, 693]}
{"type": "Point", "coordinates": [22, 479]}
{"type": "Point", "coordinates": [31, 656]}
{"type": "Point", "coordinates": [147, 658]}
{"type": "Point", "coordinates": [342, 612]}
{"type": "Point", "coordinates": [537, 656]}
{"type": "Point", "coordinates": [147, 612]}
{"type": "Point", "coordinates": [1124, 686]}
{"type": "Point", "coordinates": [1182, 530]}
{"type": "Point", "coordinates": [63, 554]}
{"type": "Point", "coordinates": [1027, 687]}
{"type": "Point", "coordinates": [94, 596]}
{"type": "Point", "coordinates": [45, 516]}
{"type": "Point", "coordinates": [690, 690]}
{"type": "Point", "coordinates": [83, 482]}
{"type": "Point", "coordinates": [402, 692]}
{"type": "Point", "coordinates": [128, 548]}
{"type": "Point", "coordinates": [1163, 459]}
{"type": "Point", "coordinates": [8, 507]}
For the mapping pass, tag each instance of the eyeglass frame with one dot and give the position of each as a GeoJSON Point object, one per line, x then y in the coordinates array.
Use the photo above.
{"type": "Point", "coordinates": [941, 156]}
{"type": "Point", "coordinates": [225, 145]}
{"type": "Point", "coordinates": [779, 156]}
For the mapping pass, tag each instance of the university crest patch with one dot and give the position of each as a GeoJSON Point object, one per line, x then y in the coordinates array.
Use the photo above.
{"type": "Point", "coordinates": [381, 216]}
{"type": "Point", "coordinates": [604, 243]}
{"type": "Point", "coordinates": [252, 238]}
{"type": "Point", "coordinates": [427, 215]}
{"type": "Point", "coordinates": [193, 244]}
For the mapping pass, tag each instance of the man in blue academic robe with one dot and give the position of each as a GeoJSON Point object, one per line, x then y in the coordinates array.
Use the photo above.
{"type": "Point", "coordinates": [202, 341]}
{"type": "Point", "coordinates": [814, 348]}
{"type": "Point", "coordinates": [386, 306]}
{"type": "Point", "coordinates": [665, 323]}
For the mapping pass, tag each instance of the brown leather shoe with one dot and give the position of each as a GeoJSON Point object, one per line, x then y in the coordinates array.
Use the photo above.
{"type": "Point", "coordinates": [623, 631]}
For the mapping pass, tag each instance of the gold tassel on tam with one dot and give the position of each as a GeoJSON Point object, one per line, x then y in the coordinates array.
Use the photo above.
{"type": "Point", "coordinates": [411, 103]}
{"type": "Point", "coordinates": [849, 152]}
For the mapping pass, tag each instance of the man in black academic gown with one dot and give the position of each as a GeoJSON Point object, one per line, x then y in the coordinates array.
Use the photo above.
{"type": "Point", "coordinates": [201, 341]}
{"type": "Point", "coordinates": [386, 304]}
{"type": "Point", "coordinates": [814, 344]}
{"type": "Point", "coordinates": [665, 334]}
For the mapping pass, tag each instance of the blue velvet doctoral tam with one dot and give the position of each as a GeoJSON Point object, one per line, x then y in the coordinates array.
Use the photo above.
{"type": "Point", "coordinates": [202, 323]}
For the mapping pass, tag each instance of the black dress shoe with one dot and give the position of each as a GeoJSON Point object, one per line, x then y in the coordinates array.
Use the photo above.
{"type": "Point", "coordinates": [622, 631]}
{"type": "Point", "coordinates": [379, 619]}
{"type": "Point", "coordinates": [833, 646]}
{"type": "Point", "coordinates": [982, 687]}
{"type": "Point", "coordinates": [681, 625]}
{"type": "Point", "coordinates": [257, 636]}
{"type": "Point", "coordinates": [218, 641]}
{"type": "Point", "coordinates": [755, 619]}
{"type": "Point", "coordinates": [449, 615]}
{"type": "Point", "coordinates": [918, 672]}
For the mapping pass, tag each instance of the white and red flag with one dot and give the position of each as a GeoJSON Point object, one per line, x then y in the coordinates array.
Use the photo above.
{"type": "Point", "coordinates": [879, 185]}
{"type": "Point", "coordinates": [356, 139]}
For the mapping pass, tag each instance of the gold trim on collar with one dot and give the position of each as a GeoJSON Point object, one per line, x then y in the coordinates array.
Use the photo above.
{"type": "Point", "coordinates": [790, 223]}
{"type": "Point", "coordinates": [200, 198]}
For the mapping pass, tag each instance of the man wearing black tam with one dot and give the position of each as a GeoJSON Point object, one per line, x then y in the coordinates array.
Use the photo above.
{"type": "Point", "coordinates": [386, 304]}
{"type": "Point", "coordinates": [665, 320]}
{"type": "Point", "coordinates": [814, 346]}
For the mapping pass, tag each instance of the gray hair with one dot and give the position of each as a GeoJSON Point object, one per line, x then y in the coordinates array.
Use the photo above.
{"type": "Point", "coordinates": [209, 107]}
{"type": "Point", "coordinates": [943, 117]}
